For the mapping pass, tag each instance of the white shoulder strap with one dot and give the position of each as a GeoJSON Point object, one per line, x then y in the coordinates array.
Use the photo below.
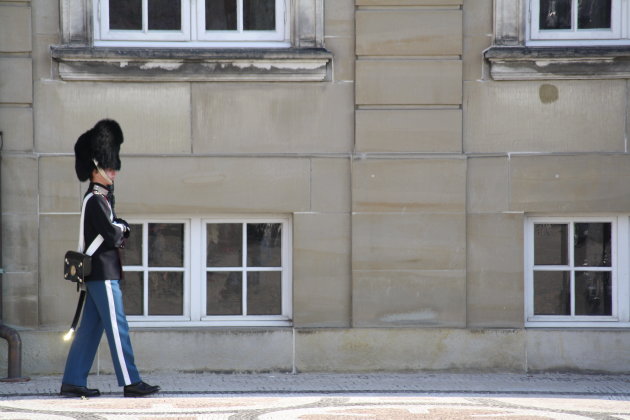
{"type": "Point", "coordinates": [97, 241]}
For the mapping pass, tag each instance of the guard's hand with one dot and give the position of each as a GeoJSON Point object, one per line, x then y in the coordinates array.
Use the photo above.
{"type": "Point", "coordinates": [124, 225]}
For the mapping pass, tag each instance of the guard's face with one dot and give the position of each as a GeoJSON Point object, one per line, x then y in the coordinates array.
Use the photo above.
{"type": "Point", "coordinates": [111, 173]}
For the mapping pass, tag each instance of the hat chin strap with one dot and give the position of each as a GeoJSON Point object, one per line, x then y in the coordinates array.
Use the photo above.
{"type": "Point", "coordinates": [102, 172]}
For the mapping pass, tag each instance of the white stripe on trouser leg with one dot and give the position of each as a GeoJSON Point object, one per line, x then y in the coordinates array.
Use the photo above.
{"type": "Point", "coordinates": [117, 343]}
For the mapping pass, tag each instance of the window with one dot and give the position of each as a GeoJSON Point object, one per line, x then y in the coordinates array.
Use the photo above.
{"type": "Point", "coordinates": [208, 272]}
{"type": "Point", "coordinates": [577, 271]}
{"type": "Point", "coordinates": [578, 22]}
{"type": "Point", "coordinates": [220, 23]}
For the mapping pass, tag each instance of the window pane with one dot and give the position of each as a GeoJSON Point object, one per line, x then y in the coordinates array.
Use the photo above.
{"type": "Point", "coordinates": [594, 14]}
{"type": "Point", "coordinates": [552, 293]}
{"type": "Point", "coordinates": [224, 245]}
{"type": "Point", "coordinates": [221, 15]}
{"type": "Point", "coordinates": [593, 293]}
{"type": "Point", "coordinates": [224, 293]}
{"type": "Point", "coordinates": [165, 14]}
{"type": "Point", "coordinates": [125, 14]}
{"type": "Point", "coordinates": [133, 292]}
{"type": "Point", "coordinates": [550, 244]}
{"type": "Point", "coordinates": [259, 15]}
{"type": "Point", "coordinates": [264, 245]}
{"type": "Point", "coordinates": [592, 244]}
{"type": "Point", "coordinates": [131, 254]}
{"type": "Point", "coordinates": [555, 14]}
{"type": "Point", "coordinates": [264, 293]}
{"type": "Point", "coordinates": [166, 245]}
{"type": "Point", "coordinates": [166, 293]}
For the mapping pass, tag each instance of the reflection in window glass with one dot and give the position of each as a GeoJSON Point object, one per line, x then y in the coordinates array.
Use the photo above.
{"type": "Point", "coordinates": [592, 244]}
{"type": "Point", "coordinates": [555, 14]}
{"type": "Point", "coordinates": [224, 244]}
{"type": "Point", "coordinates": [552, 293]}
{"type": "Point", "coordinates": [259, 15]}
{"type": "Point", "coordinates": [594, 14]}
{"type": "Point", "coordinates": [221, 15]}
{"type": "Point", "coordinates": [166, 293]}
{"type": "Point", "coordinates": [165, 14]}
{"type": "Point", "coordinates": [125, 14]}
{"type": "Point", "coordinates": [132, 288]}
{"type": "Point", "coordinates": [264, 245]}
{"type": "Point", "coordinates": [166, 245]}
{"type": "Point", "coordinates": [224, 293]}
{"type": "Point", "coordinates": [593, 293]}
{"type": "Point", "coordinates": [264, 293]}
{"type": "Point", "coordinates": [551, 244]}
{"type": "Point", "coordinates": [131, 254]}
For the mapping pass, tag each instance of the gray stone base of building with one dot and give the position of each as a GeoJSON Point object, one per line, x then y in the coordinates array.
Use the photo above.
{"type": "Point", "coordinates": [346, 350]}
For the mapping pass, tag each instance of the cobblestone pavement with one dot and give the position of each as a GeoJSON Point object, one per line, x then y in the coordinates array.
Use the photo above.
{"type": "Point", "coordinates": [331, 397]}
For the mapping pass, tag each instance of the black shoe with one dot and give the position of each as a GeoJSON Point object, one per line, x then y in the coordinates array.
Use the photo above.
{"type": "Point", "coordinates": [140, 389]}
{"type": "Point", "coordinates": [78, 391]}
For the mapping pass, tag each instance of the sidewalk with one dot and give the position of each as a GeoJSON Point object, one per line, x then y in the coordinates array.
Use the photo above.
{"type": "Point", "coordinates": [328, 383]}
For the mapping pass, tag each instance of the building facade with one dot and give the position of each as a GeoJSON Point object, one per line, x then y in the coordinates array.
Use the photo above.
{"type": "Point", "coordinates": [329, 185]}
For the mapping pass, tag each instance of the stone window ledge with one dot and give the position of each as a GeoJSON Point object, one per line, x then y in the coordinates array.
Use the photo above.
{"type": "Point", "coordinates": [543, 63]}
{"type": "Point", "coordinates": [191, 65]}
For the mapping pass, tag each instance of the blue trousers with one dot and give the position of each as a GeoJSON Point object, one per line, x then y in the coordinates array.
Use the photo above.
{"type": "Point", "coordinates": [103, 311]}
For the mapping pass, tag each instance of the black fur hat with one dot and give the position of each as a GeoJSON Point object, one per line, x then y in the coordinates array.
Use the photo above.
{"type": "Point", "coordinates": [100, 143]}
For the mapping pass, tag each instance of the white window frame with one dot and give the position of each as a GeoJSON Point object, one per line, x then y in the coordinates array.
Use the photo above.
{"type": "Point", "coordinates": [619, 34]}
{"type": "Point", "coordinates": [620, 256]}
{"type": "Point", "coordinates": [193, 34]}
{"type": "Point", "coordinates": [195, 275]}
{"type": "Point", "coordinates": [146, 270]}
{"type": "Point", "coordinates": [284, 270]}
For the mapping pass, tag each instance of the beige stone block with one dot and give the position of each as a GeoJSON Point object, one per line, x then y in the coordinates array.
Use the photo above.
{"type": "Point", "coordinates": [330, 185]}
{"type": "Point", "coordinates": [272, 118]}
{"type": "Point", "coordinates": [321, 270]}
{"type": "Point", "coordinates": [209, 350]}
{"type": "Point", "coordinates": [19, 184]}
{"type": "Point", "coordinates": [578, 350]}
{"type": "Point", "coordinates": [344, 58]}
{"type": "Point", "coordinates": [404, 298]}
{"type": "Point", "coordinates": [46, 17]}
{"type": "Point", "coordinates": [408, 241]}
{"type": "Point", "coordinates": [155, 119]}
{"type": "Point", "coordinates": [561, 184]}
{"type": "Point", "coordinates": [409, 349]}
{"type": "Point", "coordinates": [409, 32]}
{"type": "Point", "coordinates": [478, 16]}
{"type": "Point", "coordinates": [408, 82]}
{"type": "Point", "coordinates": [20, 300]}
{"type": "Point", "coordinates": [17, 129]}
{"type": "Point", "coordinates": [409, 2]}
{"type": "Point", "coordinates": [59, 189]}
{"type": "Point", "coordinates": [409, 185]}
{"type": "Point", "coordinates": [339, 18]}
{"type": "Point", "coordinates": [57, 297]}
{"type": "Point", "coordinates": [15, 28]}
{"type": "Point", "coordinates": [495, 271]}
{"type": "Point", "coordinates": [177, 185]}
{"type": "Point", "coordinates": [488, 184]}
{"type": "Point", "coordinates": [478, 35]}
{"type": "Point", "coordinates": [19, 243]}
{"type": "Point", "coordinates": [547, 116]}
{"type": "Point", "coordinates": [409, 130]}
{"type": "Point", "coordinates": [42, 64]}
{"type": "Point", "coordinates": [16, 83]}
{"type": "Point", "coordinates": [474, 63]}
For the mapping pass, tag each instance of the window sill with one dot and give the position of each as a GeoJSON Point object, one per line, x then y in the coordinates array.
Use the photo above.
{"type": "Point", "coordinates": [544, 63]}
{"type": "Point", "coordinates": [191, 65]}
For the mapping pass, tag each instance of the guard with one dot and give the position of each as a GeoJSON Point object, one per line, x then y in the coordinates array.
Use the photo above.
{"type": "Point", "coordinates": [97, 159]}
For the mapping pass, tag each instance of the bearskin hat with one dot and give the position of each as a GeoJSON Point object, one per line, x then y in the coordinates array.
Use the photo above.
{"type": "Point", "coordinates": [100, 143]}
